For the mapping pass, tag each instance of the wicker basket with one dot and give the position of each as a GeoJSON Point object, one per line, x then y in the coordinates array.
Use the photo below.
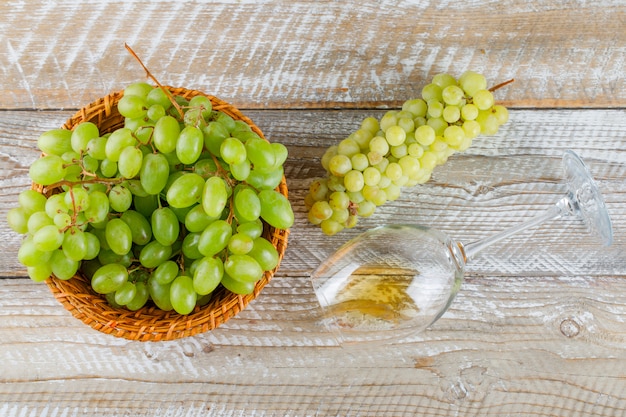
{"type": "Point", "coordinates": [151, 323]}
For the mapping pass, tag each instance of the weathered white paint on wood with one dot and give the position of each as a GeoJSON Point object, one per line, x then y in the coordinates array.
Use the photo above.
{"type": "Point", "coordinates": [285, 54]}
{"type": "Point", "coordinates": [539, 325]}
{"type": "Point", "coordinates": [538, 328]}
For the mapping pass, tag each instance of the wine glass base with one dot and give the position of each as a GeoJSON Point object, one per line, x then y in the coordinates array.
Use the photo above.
{"type": "Point", "coordinates": [587, 201]}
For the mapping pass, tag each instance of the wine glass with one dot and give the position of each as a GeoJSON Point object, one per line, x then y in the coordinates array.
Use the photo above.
{"type": "Point", "coordinates": [394, 281]}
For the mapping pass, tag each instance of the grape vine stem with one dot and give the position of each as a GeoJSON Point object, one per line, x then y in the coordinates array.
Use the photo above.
{"type": "Point", "coordinates": [498, 86]}
{"type": "Point", "coordinates": [153, 78]}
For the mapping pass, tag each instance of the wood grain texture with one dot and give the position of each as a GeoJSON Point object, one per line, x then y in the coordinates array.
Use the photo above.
{"type": "Point", "coordinates": [538, 328]}
{"type": "Point", "coordinates": [311, 54]}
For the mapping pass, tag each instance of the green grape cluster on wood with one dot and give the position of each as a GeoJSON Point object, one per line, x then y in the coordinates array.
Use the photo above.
{"type": "Point", "coordinates": [401, 149]}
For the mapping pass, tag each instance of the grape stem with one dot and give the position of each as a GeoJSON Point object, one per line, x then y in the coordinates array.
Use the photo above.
{"type": "Point", "coordinates": [496, 87]}
{"type": "Point", "coordinates": [153, 78]}
{"type": "Point", "coordinates": [95, 180]}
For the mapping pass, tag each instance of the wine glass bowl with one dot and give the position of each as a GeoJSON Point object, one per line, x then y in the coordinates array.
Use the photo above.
{"type": "Point", "coordinates": [395, 281]}
{"type": "Point", "coordinates": [374, 288]}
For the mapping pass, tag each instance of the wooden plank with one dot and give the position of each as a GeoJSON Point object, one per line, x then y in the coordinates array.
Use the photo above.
{"type": "Point", "coordinates": [308, 54]}
{"type": "Point", "coordinates": [513, 175]}
{"type": "Point", "coordinates": [537, 329]}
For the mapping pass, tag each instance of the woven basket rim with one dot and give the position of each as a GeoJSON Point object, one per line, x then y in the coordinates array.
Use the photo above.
{"type": "Point", "coordinates": [150, 323]}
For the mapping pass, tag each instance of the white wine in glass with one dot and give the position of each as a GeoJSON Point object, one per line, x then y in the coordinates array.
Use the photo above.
{"type": "Point", "coordinates": [394, 281]}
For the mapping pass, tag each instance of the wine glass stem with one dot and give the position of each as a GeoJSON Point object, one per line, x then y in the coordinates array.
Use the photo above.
{"type": "Point", "coordinates": [561, 208]}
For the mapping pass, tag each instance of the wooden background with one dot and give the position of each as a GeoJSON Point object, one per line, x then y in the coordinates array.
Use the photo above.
{"type": "Point", "coordinates": [539, 326]}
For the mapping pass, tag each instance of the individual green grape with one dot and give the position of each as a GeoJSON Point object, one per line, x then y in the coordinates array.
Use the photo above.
{"type": "Point", "coordinates": [264, 253]}
{"type": "Point", "coordinates": [215, 238]}
{"type": "Point", "coordinates": [120, 198]}
{"type": "Point", "coordinates": [96, 148]}
{"type": "Point", "coordinates": [240, 244]}
{"type": "Point", "coordinates": [444, 80]}
{"type": "Point", "coordinates": [74, 244]}
{"type": "Point", "coordinates": [39, 273]}
{"type": "Point", "coordinates": [233, 151]}
{"type": "Point", "coordinates": [38, 220]}
{"type": "Point", "coordinates": [339, 165]}
{"type": "Point", "coordinates": [354, 181]}
{"type": "Point", "coordinates": [395, 135]}
{"type": "Point", "coordinates": [189, 145]}
{"type": "Point", "coordinates": [63, 267]}
{"type": "Point", "coordinates": [261, 154]}
{"type": "Point", "coordinates": [501, 113]}
{"type": "Point", "coordinates": [207, 275]}
{"type": "Point", "coordinates": [141, 297]}
{"type": "Point", "coordinates": [125, 293]}
{"type": "Point", "coordinates": [158, 96]}
{"type": "Point", "coordinates": [119, 139]}
{"type": "Point", "coordinates": [29, 255]}
{"type": "Point", "coordinates": [425, 135]}
{"type": "Point", "coordinates": [214, 196]}
{"type": "Point", "coordinates": [182, 295]}
{"type": "Point", "coordinates": [92, 246]}
{"type": "Point", "coordinates": [135, 188]}
{"type": "Point", "coordinates": [31, 201]}
{"type": "Point", "coordinates": [454, 135]}
{"type": "Point", "coordinates": [98, 207]}
{"type": "Point", "coordinates": [165, 226]}
{"type": "Point", "coordinates": [247, 205]}
{"type": "Point", "coordinates": [243, 268]}
{"type": "Point", "coordinates": [451, 114]}
{"type": "Point", "coordinates": [90, 164]}
{"type": "Point", "coordinates": [227, 121]}
{"type": "Point", "coordinates": [154, 254]}
{"type": "Point", "coordinates": [165, 134]}
{"type": "Point", "coordinates": [186, 190]}
{"type": "Point", "coordinates": [488, 122]}
{"type": "Point", "coordinates": [132, 106]}
{"type": "Point", "coordinates": [47, 170]}
{"type": "Point", "coordinates": [17, 220]}
{"type": "Point", "coordinates": [483, 99]}
{"type": "Point", "coordinates": [202, 103]}
{"type": "Point", "coordinates": [140, 228]}
{"type": "Point", "coordinates": [190, 246]}
{"type": "Point", "coordinates": [241, 171]}
{"type": "Point", "coordinates": [118, 236]}
{"type": "Point", "coordinates": [253, 229]}
{"type": "Point", "coordinates": [321, 210]}
{"type": "Point", "coordinates": [146, 205]}
{"type": "Point", "coordinates": [55, 142]}
{"type": "Point", "coordinates": [196, 219]}
{"type": "Point", "coordinates": [108, 168]}
{"type": "Point", "coordinates": [139, 89]}
{"type": "Point", "coordinates": [265, 180]}
{"type": "Point", "coordinates": [48, 238]}
{"type": "Point", "coordinates": [331, 227]}
{"type": "Point", "coordinates": [82, 134]}
{"type": "Point", "coordinates": [154, 173]}
{"type": "Point", "coordinates": [471, 82]}
{"type": "Point", "coordinates": [130, 162]}
{"type": "Point", "coordinates": [77, 199]}
{"type": "Point", "coordinates": [237, 287]}
{"type": "Point", "coordinates": [166, 272]}
{"type": "Point", "coordinates": [214, 134]}
{"type": "Point", "coordinates": [160, 294]}
{"type": "Point", "coordinates": [276, 209]}
{"type": "Point", "coordinates": [155, 112]}
{"type": "Point", "coordinates": [452, 95]}
{"type": "Point", "coordinates": [280, 154]}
